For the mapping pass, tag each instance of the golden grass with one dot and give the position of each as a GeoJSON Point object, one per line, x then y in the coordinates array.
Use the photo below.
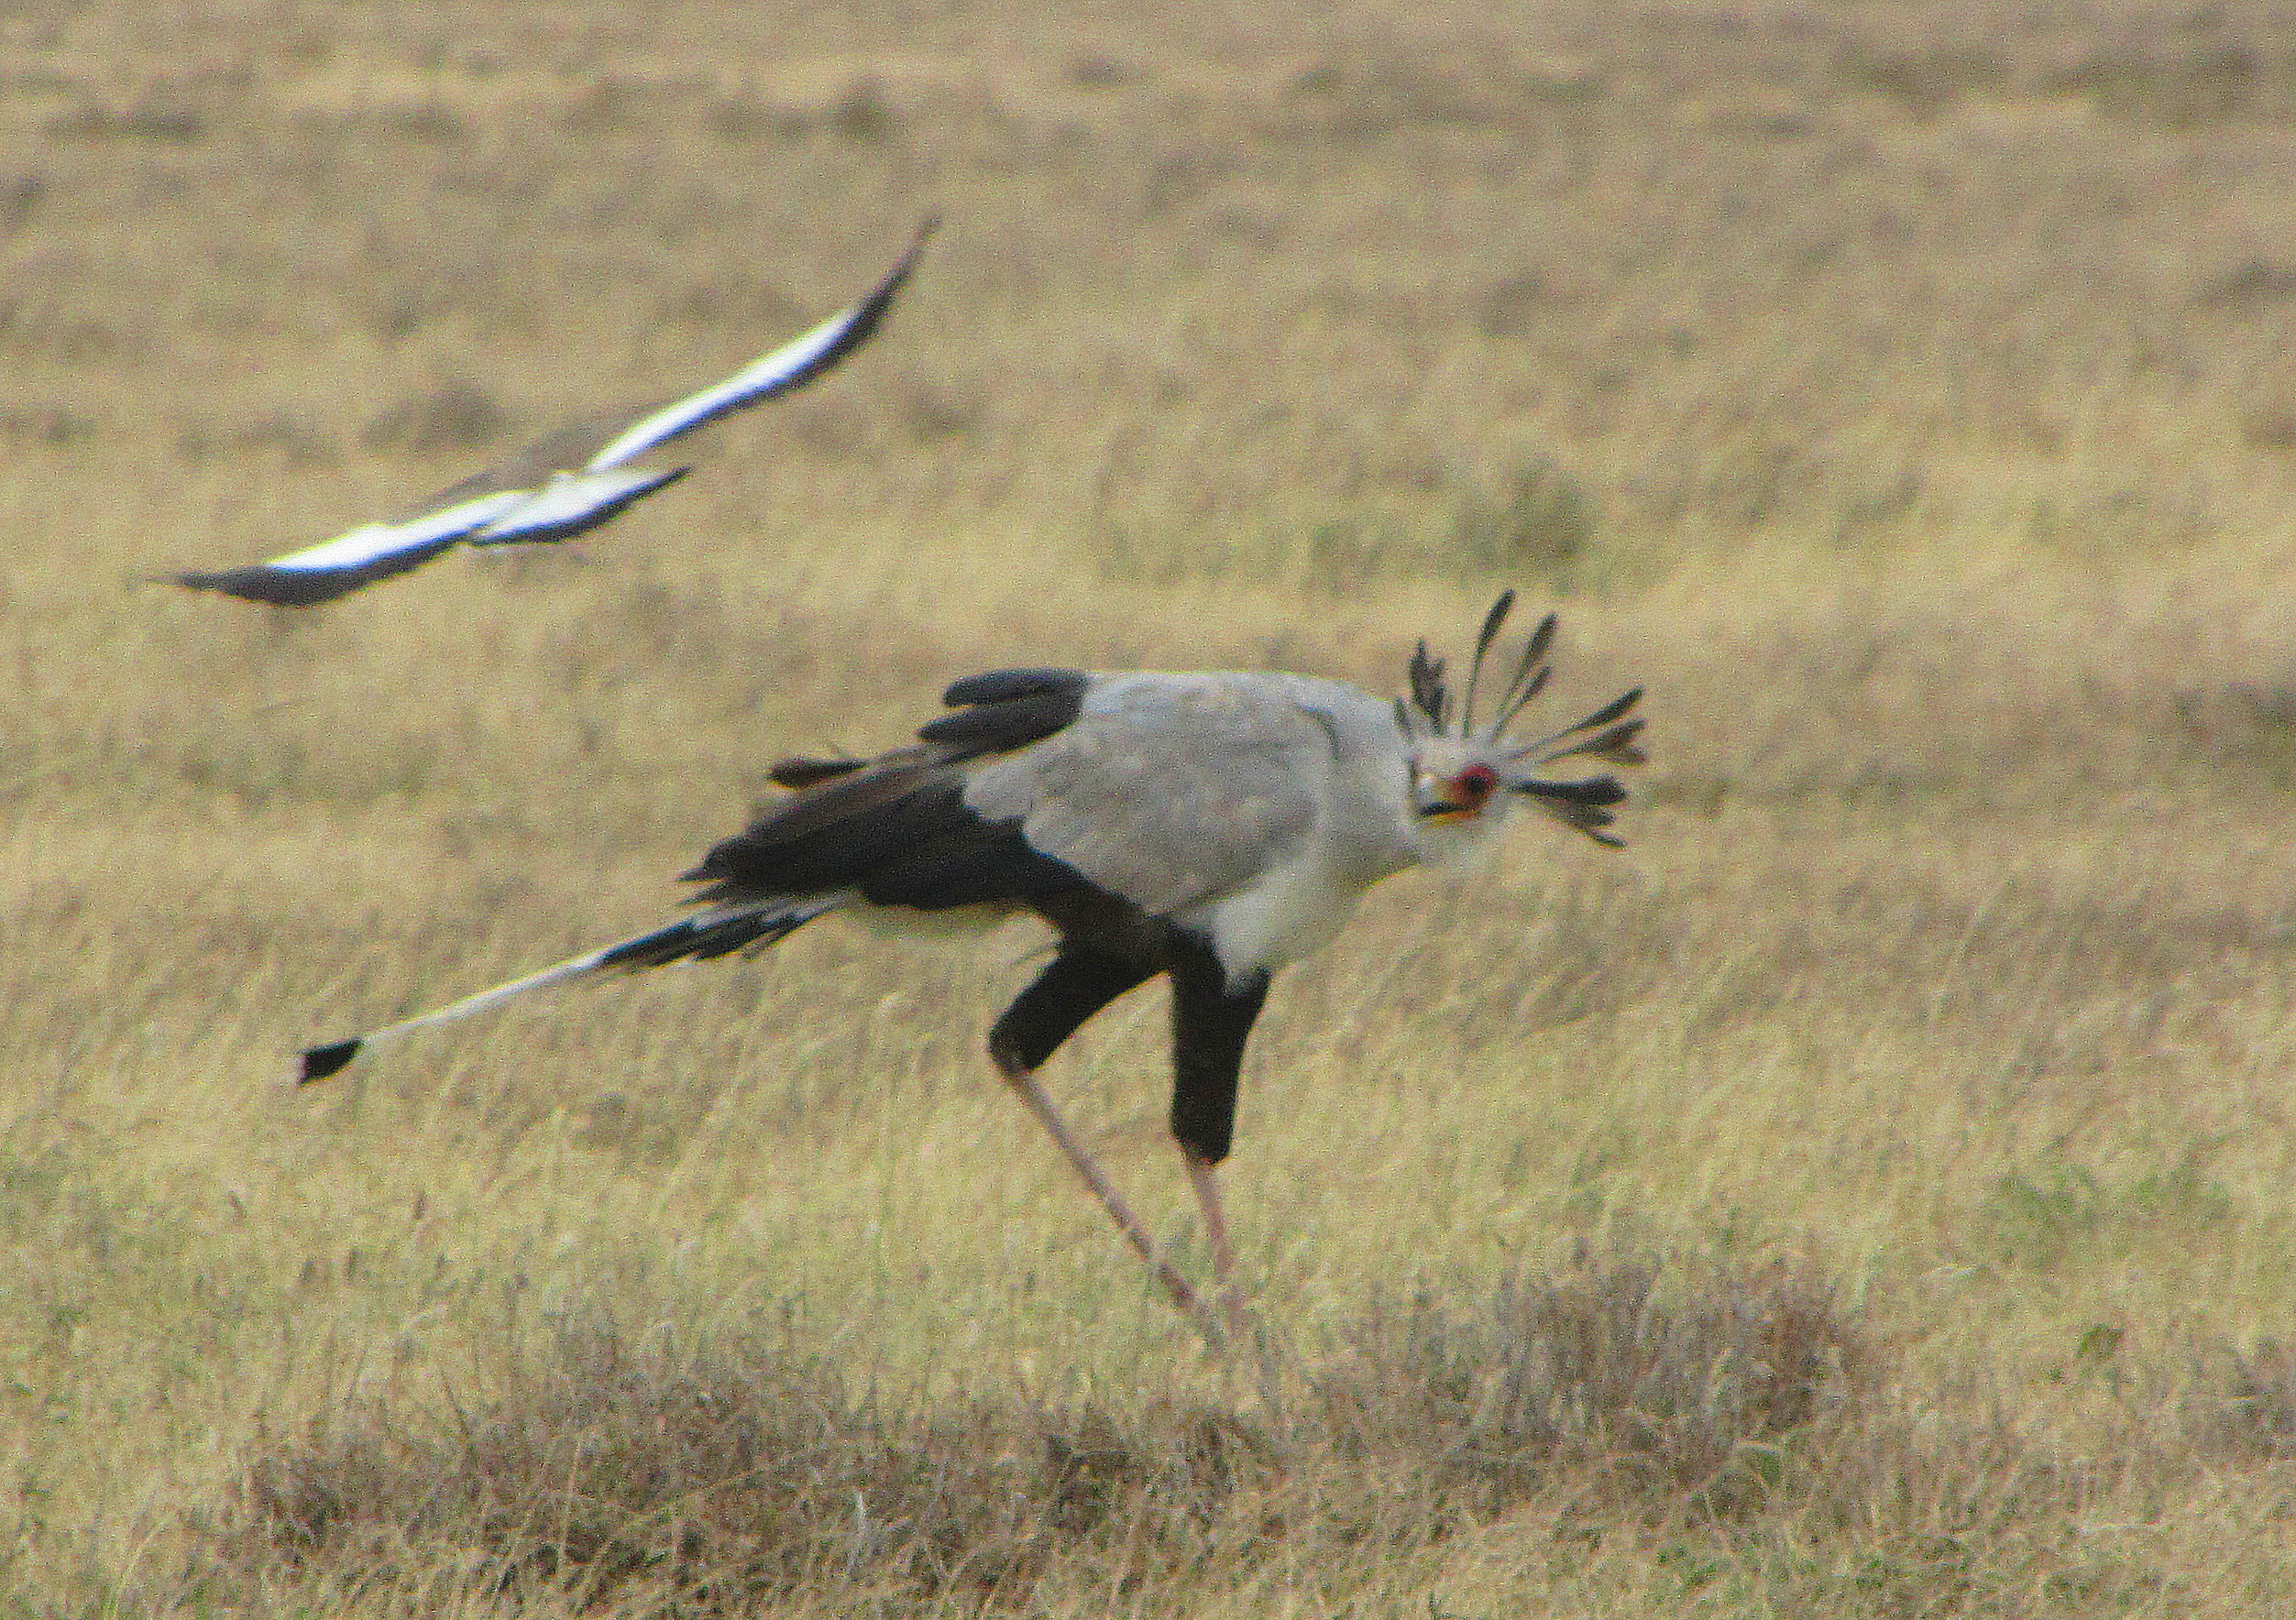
{"type": "Point", "coordinates": [1912, 418]}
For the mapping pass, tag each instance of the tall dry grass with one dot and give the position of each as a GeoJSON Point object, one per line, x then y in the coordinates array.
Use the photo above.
{"type": "Point", "coordinates": [1866, 1196]}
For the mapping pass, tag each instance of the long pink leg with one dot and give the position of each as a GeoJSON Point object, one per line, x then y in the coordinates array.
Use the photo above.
{"type": "Point", "coordinates": [1205, 1177]}
{"type": "Point", "coordinates": [1025, 1084]}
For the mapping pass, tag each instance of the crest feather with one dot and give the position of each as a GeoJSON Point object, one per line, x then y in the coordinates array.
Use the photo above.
{"type": "Point", "coordinates": [1609, 734]}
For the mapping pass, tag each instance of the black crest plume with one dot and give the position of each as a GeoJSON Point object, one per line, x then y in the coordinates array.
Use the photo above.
{"type": "Point", "coordinates": [1429, 695]}
{"type": "Point", "coordinates": [1483, 639]}
{"type": "Point", "coordinates": [1529, 679]}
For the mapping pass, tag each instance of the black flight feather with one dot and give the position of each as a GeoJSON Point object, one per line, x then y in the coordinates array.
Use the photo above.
{"type": "Point", "coordinates": [799, 773]}
{"type": "Point", "coordinates": [1004, 685]}
{"type": "Point", "coordinates": [1014, 722]}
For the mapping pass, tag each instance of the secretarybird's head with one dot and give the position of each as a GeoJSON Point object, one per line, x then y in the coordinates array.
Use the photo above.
{"type": "Point", "coordinates": [1463, 781]}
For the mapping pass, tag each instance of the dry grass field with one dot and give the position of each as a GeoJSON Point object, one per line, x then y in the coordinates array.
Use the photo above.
{"type": "Point", "coordinates": [1867, 1195]}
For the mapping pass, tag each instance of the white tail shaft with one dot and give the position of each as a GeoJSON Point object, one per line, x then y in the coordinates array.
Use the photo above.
{"type": "Point", "coordinates": [714, 933]}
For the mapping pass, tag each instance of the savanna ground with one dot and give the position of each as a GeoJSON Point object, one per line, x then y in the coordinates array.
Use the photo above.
{"type": "Point", "coordinates": [1867, 1195]}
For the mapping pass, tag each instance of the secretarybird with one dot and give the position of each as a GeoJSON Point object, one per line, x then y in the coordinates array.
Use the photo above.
{"type": "Point", "coordinates": [559, 486]}
{"type": "Point", "coordinates": [1211, 828]}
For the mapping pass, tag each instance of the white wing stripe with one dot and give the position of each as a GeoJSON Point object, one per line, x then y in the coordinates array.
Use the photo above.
{"type": "Point", "coordinates": [372, 541]}
{"type": "Point", "coordinates": [568, 498]}
{"type": "Point", "coordinates": [786, 365]}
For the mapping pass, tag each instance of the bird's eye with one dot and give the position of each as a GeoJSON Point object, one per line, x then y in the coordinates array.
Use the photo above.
{"type": "Point", "coordinates": [1478, 780]}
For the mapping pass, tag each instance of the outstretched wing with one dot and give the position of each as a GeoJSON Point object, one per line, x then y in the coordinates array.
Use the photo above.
{"type": "Point", "coordinates": [1168, 790]}
{"type": "Point", "coordinates": [373, 551]}
{"type": "Point", "coordinates": [576, 503]}
{"type": "Point", "coordinates": [570, 481]}
{"type": "Point", "coordinates": [792, 365]}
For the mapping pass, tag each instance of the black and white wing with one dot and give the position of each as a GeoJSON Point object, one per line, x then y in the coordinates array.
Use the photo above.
{"type": "Point", "coordinates": [1165, 791]}
{"type": "Point", "coordinates": [567, 503]}
{"type": "Point", "coordinates": [371, 552]}
{"type": "Point", "coordinates": [561, 486]}
{"type": "Point", "coordinates": [790, 367]}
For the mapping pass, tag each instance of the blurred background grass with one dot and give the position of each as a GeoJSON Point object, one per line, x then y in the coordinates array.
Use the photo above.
{"type": "Point", "coordinates": [1906, 400]}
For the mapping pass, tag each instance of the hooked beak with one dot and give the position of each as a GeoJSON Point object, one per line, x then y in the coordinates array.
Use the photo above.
{"type": "Point", "coordinates": [1438, 798]}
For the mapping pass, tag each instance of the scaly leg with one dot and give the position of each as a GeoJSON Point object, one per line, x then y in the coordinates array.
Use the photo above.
{"type": "Point", "coordinates": [1024, 1084]}
{"type": "Point", "coordinates": [1205, 1177]}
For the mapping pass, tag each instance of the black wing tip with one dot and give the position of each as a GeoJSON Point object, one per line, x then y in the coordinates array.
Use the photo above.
{"type": "Point", "coordinates": [795, 773]}
{"type": "Point", "coordinates": [871, 307]}
{"type": "Point", "coordinates": [1005, 685]}
{"type": "Point", "coordinates": [251, 584]}
{"type": "Point", "coordinates": [320, 1061]}
{"type": "Point", "coordinates": [280, 587]}
{"type": "Point", "coordinates": [927, 229]}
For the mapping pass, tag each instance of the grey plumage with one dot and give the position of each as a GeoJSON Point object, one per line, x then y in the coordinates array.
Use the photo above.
{"type": "Point", "coordinates": [1168, 790]}
{"type": "Point", "coordinates": [1207, 827]}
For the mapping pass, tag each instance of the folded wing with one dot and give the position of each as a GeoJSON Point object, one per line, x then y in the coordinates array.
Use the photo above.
{"type": "Point", "coordinates": [1169, 791]}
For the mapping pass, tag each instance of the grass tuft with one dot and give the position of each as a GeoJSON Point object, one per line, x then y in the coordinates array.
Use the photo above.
{"type": "Point", "coordinates": [1673, 1390]}
{"type": "Point", "coordinates": [2250, 1405]}
{"type": "Point", "coordinates": [1541, 525]}
{"type": "Point", "coordinates": [1928, 434]}
{"type": "Point", "coordinates": [756, 1471]}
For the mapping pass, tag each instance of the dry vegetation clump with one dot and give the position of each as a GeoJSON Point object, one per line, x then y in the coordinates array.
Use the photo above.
{"type": "Point", "coordinates": [756, 1469]}
{"type": "Point", "coordinates": [1679, 1392]}
{"type": "Point", "coordinates": [2245, 1400]}
{"type": "Point", "coordinates": [1739, 1422]}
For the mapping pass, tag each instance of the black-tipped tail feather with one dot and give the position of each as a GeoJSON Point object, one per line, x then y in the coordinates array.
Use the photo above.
{"type": "Point", "coordinates": [319, 1062]}
{"type": "Point", "coordinates": [715, 932]}
{"type": "Point", "coordinates": [706, 937]}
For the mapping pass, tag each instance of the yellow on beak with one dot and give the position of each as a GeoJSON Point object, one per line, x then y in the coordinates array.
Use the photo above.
{"type": "Point", "coordinates": [1447, 796]}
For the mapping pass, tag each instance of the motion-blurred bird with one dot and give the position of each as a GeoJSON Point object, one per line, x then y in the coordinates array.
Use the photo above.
{"type": "Point", "coordinates": [559, 486]}
{"type": "Point", "coordinates": [1211, 828]}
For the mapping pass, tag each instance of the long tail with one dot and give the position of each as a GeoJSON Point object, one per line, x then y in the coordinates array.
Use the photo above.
{"type": "Point", "coordinates": [714, 933]}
